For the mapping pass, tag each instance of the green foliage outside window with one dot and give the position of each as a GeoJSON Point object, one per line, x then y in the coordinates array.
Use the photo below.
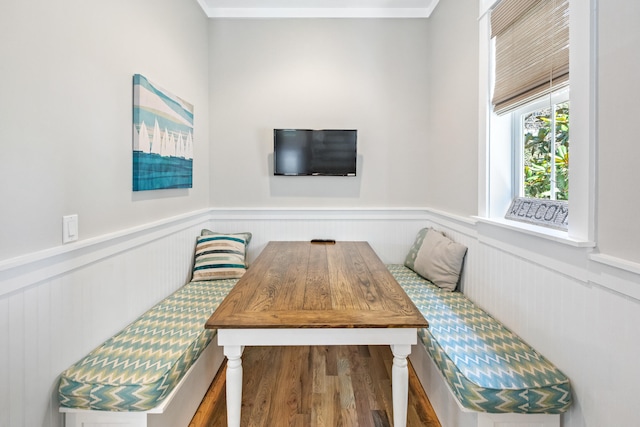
{"type": "Point", "coordinates": [540, 127]}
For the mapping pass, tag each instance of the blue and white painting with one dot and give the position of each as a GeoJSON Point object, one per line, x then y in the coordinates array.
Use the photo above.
{"type": "Point", "coordinates": [162, 138]}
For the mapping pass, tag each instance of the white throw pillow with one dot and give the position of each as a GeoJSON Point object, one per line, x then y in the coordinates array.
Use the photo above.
{"type": "Point", "coordinates": [439, 260]}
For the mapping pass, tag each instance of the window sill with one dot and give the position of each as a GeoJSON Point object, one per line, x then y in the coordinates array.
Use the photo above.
{"type": "Point", "coordinates": [545, 233]}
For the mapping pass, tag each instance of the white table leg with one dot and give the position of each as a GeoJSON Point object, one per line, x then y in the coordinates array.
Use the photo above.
{"type": "Point", "coordinates": [400, 384]}
{"type": "Point", "coordinates": [234, 383]}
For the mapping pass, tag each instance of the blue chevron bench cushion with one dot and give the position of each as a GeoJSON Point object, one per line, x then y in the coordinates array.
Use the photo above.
{"type": "Point", "coordinates": [138, 367]}
{"type": "Point", "coordinates": [488, 367]}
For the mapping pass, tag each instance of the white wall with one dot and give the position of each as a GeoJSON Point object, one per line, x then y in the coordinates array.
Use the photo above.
{"type": "Point", "coordinates": [65, 97]}
{"type": "Point", "coordinates": [618, 227]}
{"type": "Point", "coordinates": [577, 306]}
{"type": "Point", "coordinates": [452, 157]}
{"type": "Point", "coordinates": [367, 74]}
{"type": "Point", "coordinates": [66, 108]}
{"type": "Point", "coordinates": [65, 147]}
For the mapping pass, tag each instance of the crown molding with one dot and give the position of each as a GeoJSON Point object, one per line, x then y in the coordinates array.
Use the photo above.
{"type": "Point", "coordinates": [313, 9]}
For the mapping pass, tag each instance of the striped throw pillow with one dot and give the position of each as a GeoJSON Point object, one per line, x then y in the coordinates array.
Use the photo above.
{"type": "Point", "coordinates": [245, 235]}
{"type": "Point", "coordinates": [219, 256]}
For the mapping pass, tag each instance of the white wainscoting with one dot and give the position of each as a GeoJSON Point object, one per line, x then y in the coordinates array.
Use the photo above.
{"type": "Point", "coordinates": [58, 305]}
{"type": "Point", "coordinates": [578, 309]}
{"type": "Point", "coordinates": [580, 314]}
{"type": "Point", "coordinates": [390, 232]}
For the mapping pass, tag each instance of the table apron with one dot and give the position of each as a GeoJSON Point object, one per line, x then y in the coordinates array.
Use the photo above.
{"type": "Point", "coordinates": [317, 336]}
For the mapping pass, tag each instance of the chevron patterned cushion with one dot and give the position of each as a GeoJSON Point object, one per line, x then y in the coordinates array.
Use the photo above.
{"type": "Point", "coordinates": [488, 367]}
{"type": "Point", "coordinates": [138, 367]}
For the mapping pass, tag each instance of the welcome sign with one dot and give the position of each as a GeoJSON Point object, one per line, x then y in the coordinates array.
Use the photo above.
{"type": "Point", "coordinates": [548, 213]}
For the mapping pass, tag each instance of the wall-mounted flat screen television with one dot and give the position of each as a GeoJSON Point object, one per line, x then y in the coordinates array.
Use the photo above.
{"type": "Point", "coordinates": [326, 152]}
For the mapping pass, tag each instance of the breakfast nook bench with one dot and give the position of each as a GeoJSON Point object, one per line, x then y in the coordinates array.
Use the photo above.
{"type": "Point", "coordinates": [157, 369]}
{"type": "Point", "coordinates": [494, 377]}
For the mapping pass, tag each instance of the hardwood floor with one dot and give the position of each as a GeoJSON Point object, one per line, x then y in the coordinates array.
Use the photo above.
{"type": "Point", "coordinates": [323, 386]}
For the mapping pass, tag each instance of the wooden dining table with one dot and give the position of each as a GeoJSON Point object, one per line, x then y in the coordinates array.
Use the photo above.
{"type": "Point", "coordinates": [305, 294]}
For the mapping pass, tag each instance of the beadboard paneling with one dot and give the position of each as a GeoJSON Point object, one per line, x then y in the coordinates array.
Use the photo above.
{"type": "Point", "coordinates": [48, 325]}
{"type": "Point", "coordinates": [568, 310]}
{"type": "Point", "coordinates": [389, 232]}
{"type": "Point", "coordinates": [57, 306]}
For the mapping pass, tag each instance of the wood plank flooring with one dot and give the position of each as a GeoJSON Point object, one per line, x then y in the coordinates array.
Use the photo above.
{"type": "Point", "coordinates": [320, 386]}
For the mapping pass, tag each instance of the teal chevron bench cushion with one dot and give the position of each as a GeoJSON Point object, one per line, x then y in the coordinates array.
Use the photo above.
{"type": "Point", "coordinates": [138, 367]}
{"type": "Point", "coordinates": [488, 367]}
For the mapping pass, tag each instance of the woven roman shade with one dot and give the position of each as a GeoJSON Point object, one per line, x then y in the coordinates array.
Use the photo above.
{"type": "Point", "coordinates": [532, 50]}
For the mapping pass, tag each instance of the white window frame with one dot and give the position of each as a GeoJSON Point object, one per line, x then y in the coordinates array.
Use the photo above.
{"type": "Point", "coordinates": [495, 169]}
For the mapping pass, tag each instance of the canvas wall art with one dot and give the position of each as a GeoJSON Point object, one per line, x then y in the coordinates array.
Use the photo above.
{"type": "Point", "coordinates": [162, 138]}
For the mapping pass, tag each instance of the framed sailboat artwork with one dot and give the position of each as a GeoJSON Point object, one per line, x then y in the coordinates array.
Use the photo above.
{"type": "Point", "coordinates": [162, 138]}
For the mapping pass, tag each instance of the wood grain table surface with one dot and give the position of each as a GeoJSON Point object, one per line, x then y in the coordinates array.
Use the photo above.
{"type": "Point", "coordinates": [317, 285]}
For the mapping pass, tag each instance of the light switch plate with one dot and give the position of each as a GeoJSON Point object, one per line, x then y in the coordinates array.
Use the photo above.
{"type": "Point", "coordinates": [69, 228]}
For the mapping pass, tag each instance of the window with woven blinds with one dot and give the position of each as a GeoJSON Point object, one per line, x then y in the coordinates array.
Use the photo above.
{"type": "Point", "coordinates": [531, 50]}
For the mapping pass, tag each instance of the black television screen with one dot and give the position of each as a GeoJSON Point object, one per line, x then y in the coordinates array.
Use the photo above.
{"type": "Point", "coordinates": [331, 152]}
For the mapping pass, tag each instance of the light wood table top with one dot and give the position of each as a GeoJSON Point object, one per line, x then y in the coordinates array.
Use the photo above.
{"type": "Point", "coordinates": [309, 285]}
